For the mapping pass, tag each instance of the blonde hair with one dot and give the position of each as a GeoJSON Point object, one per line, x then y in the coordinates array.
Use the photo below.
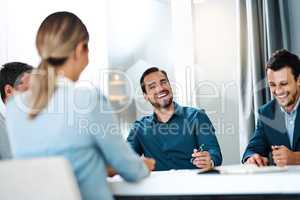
{"type": "Point", "coordinates": [57, 37]}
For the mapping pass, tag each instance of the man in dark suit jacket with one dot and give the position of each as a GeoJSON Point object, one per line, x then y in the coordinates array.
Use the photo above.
{"type": "Point", "coordinates": [278, 126]}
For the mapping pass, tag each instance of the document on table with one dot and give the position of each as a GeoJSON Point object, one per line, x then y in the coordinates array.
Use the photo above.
{"type": "Point", "coordinates": [250, 169]}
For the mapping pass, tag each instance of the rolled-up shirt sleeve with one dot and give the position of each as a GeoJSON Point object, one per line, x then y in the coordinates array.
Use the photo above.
{"type": "Point", "coordinates": [205, 133]}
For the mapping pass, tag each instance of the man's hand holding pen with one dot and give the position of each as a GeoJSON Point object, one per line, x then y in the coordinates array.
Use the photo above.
{"type": "Point", "coordinates": [201, 158]}
{"type": "Point", "coordinates": [282, 155]}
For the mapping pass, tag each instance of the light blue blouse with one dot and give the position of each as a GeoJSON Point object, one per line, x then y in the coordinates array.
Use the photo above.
{"type": "Point", "coordinates": [78, 124]}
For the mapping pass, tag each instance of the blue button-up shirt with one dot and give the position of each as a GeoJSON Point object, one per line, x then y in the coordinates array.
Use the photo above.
{"type": "Point", "coordinates": [171, 144]}
{"type": "Point", "coordinates": [290, 118]}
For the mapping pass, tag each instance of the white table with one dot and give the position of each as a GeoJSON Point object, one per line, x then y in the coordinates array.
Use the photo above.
{"type": "Point", "coordinates": [187, 183]}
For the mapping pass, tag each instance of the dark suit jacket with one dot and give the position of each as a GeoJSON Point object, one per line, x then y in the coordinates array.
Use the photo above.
{"type": "Point", "coordinates": [271, 130]}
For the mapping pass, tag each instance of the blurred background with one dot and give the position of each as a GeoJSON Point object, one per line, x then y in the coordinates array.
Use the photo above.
{"type": "Point", "coordinates": [213, 51]}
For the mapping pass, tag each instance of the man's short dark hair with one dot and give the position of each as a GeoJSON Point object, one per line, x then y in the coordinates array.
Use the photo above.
{"type": "Point", "coordinates": [283, 58]}
{"type": "Point", "coordinates": [147, 72]}
{"type": "Point", "coordinates": [10, 72]}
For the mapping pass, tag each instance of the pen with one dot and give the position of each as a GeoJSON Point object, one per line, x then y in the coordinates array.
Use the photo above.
{"type": "Point", "coordinates": [200, 149]}
{"type": "Point", "coordinates": [275, 147]}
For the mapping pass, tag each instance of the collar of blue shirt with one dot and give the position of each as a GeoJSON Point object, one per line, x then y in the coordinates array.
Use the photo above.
{"type": "Point", "coordinates": [178, 111]}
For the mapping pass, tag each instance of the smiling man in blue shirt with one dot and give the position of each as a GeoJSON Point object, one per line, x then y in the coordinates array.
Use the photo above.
{"type": "Point", "coordinates": [173, 134]}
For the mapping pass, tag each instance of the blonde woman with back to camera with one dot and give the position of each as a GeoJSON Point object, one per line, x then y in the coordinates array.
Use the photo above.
{"type": "Point", "coordinates": [57, 118]}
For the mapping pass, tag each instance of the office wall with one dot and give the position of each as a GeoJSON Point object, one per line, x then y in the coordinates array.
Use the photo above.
{"type": "Point", "coordinates": [294, 23]}
{"type": "Point", "coordinates": [139, 36]}
{"type": "Point", "coordinates": [139, 30]}
{"type": "Point", "coordinates": [216, 70]}
{"type": "Point", "coordinates": [19, 22]}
